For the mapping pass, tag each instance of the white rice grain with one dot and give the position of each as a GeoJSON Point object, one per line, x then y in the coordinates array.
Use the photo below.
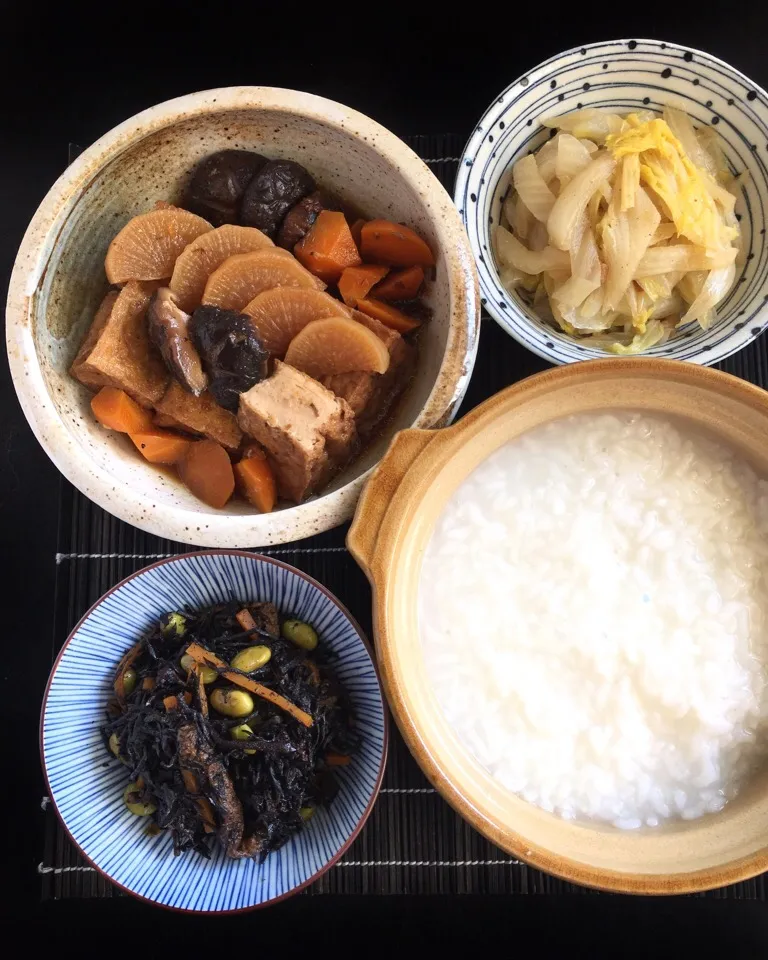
{"type": "Point", "coordinates": [593, 605]}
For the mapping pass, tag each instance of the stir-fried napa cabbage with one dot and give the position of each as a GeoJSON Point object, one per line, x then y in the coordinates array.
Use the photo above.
{"type": "Point", "coordinates": [622, 228]}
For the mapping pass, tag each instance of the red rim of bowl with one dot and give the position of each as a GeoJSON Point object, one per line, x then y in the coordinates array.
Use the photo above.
{"type": "Point", "coordinates": [385, 742]}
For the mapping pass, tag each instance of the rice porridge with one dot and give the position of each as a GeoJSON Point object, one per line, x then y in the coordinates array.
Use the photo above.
{"type": "Point", "coordinates": [593, 607]}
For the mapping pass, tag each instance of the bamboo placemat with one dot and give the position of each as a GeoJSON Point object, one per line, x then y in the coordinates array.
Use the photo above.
{"type": "Point", "coordinates": [413, 842]}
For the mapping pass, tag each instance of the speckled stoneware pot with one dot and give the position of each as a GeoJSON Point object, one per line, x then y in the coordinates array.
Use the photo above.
{"type": "Point", "coordinates": [624, 75]}
{"type": "Point", "coordinates": [58, 280]}
{"type": "Point", "coordinates": [388, 537]}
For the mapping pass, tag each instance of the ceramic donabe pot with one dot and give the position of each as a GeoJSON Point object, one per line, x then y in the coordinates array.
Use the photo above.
{"type": "Point", "coordinates": [58, 281]}
{"type": "Point", "coordinates": [392, 527]}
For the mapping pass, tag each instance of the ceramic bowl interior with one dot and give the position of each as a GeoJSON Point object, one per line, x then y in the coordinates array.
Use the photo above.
{"type": "Point", "coordinates": [59, 280]}
{"type": "Point", "coordinates": [86, 787]}
{"type": "Point", "coordinates": [623, 75]}
{"type": "Point", "coordinates": [393, 524]}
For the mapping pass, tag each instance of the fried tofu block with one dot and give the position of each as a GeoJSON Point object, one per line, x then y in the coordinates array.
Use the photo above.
{"type": "Point", "coordinates": [306, 430]}
{"type": "Point", "coordinates": [356, 388]}
{"type": "Point", "coordinates": [117, 351]}
{"type": "Point", "coordinates": [370, 395]}
{"type": "Point", "coordinates": [91, 338]}
{"type": "Point", "coordinates": [199, 415]}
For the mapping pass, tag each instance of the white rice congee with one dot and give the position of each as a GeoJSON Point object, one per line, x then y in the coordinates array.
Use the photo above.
{"type": "Point", "coordinates": [593, 606]}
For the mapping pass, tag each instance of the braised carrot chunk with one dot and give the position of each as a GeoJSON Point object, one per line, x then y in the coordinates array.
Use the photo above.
{"type": "Point", "coordinates": [328, 247]}
{"type": "Point", "coordinates": [394, 244]}
{"type": "Point", "coordinates": [115, 410]}
{"type": "Point", "coordinates": [388, 315]}
{"type": "Point", "coordinates": [256, 481]}
{"type": "Point", "coordinates": [400, 284]}
{"type": "Point", "coordinates": [207, 472]}
{"type": "Point", "coordinates": [356, 282]}
{"type": "Point", "coordinates": [160, 446]}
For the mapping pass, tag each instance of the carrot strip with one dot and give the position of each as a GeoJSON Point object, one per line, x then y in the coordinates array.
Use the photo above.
{"type": "Point", "coordinates": [172, 703]}
{"type": "Point", "coordinates": [148, 683]}
{"type": "Point", "coordinates": [201, 694]}
{"type": "Point", "coordinates": [265, 693]}
{"type": "Point", "coordinates": [206, 810]}
{"type": "Point", "coordinates": [245, 619]}
{"type": "Point", "coordinates": [204, 656]}
{"type": "Point", "coordinates": [127, 660]}
{"type": "Point", "coordinates": [337, 759]}
{"type": "Point", "coordinates": [388, 315]}
{"type": "Point", "coordinates": [312, 667]}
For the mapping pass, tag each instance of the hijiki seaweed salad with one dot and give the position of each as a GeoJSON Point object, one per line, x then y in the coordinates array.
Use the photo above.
{"type": "Point", "coordinates": [230, 722]}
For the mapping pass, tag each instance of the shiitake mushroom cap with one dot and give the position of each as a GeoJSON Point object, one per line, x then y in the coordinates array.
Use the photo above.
{"type": "Point", "coordinates": [231, 350]}
{"type": "Point", "coordinates": [277, 186]}
{"type": "Point", "coordinates": [219, 182]}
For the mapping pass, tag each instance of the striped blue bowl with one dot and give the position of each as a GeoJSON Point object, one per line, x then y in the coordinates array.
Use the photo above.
{"type": "Point", "coordinates": [87, 787]}
{"type": "Point", "coordinates": [623, 75]}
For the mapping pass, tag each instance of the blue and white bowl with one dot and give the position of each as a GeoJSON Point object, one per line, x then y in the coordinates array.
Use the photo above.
{"type": "Point", "coordinates": [623, 75]}
{"type": "Point", "coordinates": [87, 787]}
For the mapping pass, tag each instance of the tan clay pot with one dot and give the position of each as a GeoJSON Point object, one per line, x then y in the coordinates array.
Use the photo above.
{"type": "Point", "coordinates": [58, 280]}
{"type": "Point", "coordinates": [392, 526]}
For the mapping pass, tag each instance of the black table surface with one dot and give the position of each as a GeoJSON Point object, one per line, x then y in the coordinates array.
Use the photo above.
{"type": "Point", "coordinates": [72, 74]}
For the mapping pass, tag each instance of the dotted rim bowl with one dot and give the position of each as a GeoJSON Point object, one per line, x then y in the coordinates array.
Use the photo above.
{"type": "Point", "coordinates": [86, 788]}
{"type": "Point", "coordinates": [627, 75]}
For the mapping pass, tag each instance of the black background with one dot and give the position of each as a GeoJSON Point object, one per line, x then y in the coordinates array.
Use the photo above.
{"type": "Point", "coordinates": [72, 73]}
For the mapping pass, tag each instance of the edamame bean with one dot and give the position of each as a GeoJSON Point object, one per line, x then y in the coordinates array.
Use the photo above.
{"type": "Point", "coordinates": [232, 703]}
{"type": "Point", "coordinates": [175, 623]}
{"type": "Point", "coordinates": [131, 797]}
{"type": "Point", "coordinates": [300, 633]}
{"type": "Point", "coordinates": [242, 732]}
{"type": "Point", "coordinates": [209, 674]}
{"type": "Point", "coordinates": [129, 681]}
{"type": "Point", "coordinates": [251, 658]}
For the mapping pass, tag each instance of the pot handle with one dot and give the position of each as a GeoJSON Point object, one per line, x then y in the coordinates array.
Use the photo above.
{"type": "Point", "coordinates": [378, 492]}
